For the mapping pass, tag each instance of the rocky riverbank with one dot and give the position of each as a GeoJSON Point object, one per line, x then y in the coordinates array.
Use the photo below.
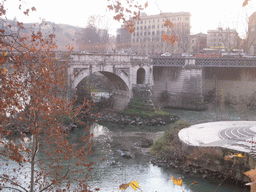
{"type": "Point", "coordinates": [118, 118]}
{"type": "Point", "coordinates": [201, 171]}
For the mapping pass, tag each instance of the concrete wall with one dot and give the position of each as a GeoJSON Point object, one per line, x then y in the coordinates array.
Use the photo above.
{"type": "Point", "coordinates": [184, 84]}
{"type": "Point", "coordinates": [233, 83]}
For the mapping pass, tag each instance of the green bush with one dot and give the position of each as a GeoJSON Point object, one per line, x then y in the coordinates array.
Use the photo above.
{"type": "Point", "coordinates": [169, 142]}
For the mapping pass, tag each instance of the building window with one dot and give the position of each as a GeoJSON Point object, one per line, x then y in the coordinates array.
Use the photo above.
{"type": "Point", "coordinates": [138, 28]}
{"type": "Point", "coordinates": [153, 26]}
{"type": "Point", "coordinates": [153, 20]}
{"type": "Point", "coordinates": [153, 32]}
{"type": "Point", "coordinates": [141, 27]}
{"type": "Point", "coordinates": [149, 27]}
{"type": "Point", "coordinates": [145, 33]}
{"type": "Point", "coordinates": [149, 33]}
{"type": "Point", "coordinates": [141, 22]}
{"type": "Point", "coordinates": [145, 27]}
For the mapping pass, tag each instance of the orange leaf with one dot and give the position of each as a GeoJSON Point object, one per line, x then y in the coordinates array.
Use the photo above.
{"type": "Point", "coordinates": [165, 37]}
{"type": "Point", "coordinates": [177, 181]}
{"type": "Point", "coordinates": [251, 174]}
{"type": "Point", "coordinates": [146, 4]}
{"type": "Point", "coordinates": [174, 39]}
{"type": "Point", "coordinates": [245, 3]}
{"type": "Point", "coordinates": [123, 186]}
{"type": "Point", "coordinates": [168, 23]}
{"type": "Point", "coordinates": [129, 28]}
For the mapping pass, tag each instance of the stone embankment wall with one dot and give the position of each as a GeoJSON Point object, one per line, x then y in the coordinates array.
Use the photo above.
{"type": "Point", "coordinates": [184, 85]}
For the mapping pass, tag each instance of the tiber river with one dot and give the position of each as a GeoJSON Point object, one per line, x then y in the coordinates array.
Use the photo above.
{"type": "Point", "coordinates": [116, 170]}
{"type": "Point", "coordinates": [112, 172]}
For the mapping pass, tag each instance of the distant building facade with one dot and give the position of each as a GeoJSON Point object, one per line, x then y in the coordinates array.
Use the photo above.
{"type": "Point", "coordinates": [198, 42]}
{"type": "Point", "coordinates": [123, 39]}
{"type": "Point", "coordinates": [147, 37]}
{"type": "Point", "coordinates": [92, 39]}
{"type": "Point", "coordinates": [250, 41]}
{"type": "Point", "coordinates": [220, 38]}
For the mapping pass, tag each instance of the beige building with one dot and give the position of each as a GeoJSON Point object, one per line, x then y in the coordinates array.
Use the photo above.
{"type": "Point", "coordinates": [147, 37]}
{"type": "Point", "coordinates": [223, 39]}
{"type": "Point", "coordinates": [198, 42]}
{"type": "Point", "coordinates": [250, 41]}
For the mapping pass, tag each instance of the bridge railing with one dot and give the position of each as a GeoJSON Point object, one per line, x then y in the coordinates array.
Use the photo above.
{"type": "Point", "coordinates": [204, 62]}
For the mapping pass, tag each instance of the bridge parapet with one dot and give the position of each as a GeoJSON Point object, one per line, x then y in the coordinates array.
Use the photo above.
{"type": "Point", "coordinates": [204, 62]}
{"type": "Point", "coordinates": [225, 62]}
{"type": "Point", "coordinates": [101, 58]}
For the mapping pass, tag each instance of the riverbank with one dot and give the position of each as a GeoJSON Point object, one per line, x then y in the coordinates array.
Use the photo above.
{"type": "Point", "coordinates": [136, 119]}
{"type": "Point", "coordinates": [138, 144]}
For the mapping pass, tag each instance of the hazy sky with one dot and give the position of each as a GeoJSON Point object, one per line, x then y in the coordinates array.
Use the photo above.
{"type": "Point", "coordinates": [205, 14]}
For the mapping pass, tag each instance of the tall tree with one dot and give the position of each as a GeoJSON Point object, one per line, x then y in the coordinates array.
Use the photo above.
{"type": "Point", "coordinates": [33, 102]}
{"type": "Point", "coordinates": [35, 147]}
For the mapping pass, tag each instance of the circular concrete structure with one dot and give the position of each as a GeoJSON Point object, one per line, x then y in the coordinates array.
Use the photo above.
{"type": "Point", "coordinates": [237, 135]}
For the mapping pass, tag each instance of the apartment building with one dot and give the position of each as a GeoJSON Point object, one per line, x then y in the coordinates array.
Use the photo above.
{"type": "Point", "coordinates": [147, 37]}
{"type": "Point", "coordinates": [223, 39]}
{"type": "Point", "coordinates": [250, 41]}
{"type": "Point", "coordinates": [198, 42]}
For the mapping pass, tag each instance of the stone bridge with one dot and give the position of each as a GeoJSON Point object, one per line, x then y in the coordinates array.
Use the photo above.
{"type": "Point", "coordinates": [123, 71]}
{"type": "Point", "coordinates": [187, 80]}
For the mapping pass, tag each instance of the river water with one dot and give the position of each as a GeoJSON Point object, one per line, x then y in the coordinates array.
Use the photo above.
{"type": "Point", "coordinates": [116, 170]}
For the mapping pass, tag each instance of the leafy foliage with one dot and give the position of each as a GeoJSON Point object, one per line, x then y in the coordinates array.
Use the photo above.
{"type": "Point", "coordinates": [33, 97]}
{"type": "Point", "coordinates": [126, 11]}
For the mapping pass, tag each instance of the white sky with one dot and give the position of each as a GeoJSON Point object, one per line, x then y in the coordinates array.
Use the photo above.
{"type": "Point", "coordinates": [205, 14]}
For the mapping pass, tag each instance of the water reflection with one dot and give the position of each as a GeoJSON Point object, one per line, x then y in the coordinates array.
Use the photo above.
{"type": "Point", "coordinates": [98, 130]}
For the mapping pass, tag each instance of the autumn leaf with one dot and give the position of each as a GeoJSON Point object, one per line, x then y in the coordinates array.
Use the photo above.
{"type": "Point", "coordinates": [146, 4]}
{"type": "Point", "coordinates": [33, 9]}
{"type": "Point", "coordinates": [251, 174]}
{"type": "Point", "coordinates": [123, 186]}
{"type": "Point", "coordinates": [129, 28]}
{"type": "Point", "coordinates": [177, 181]}
{"type": "Point", "coordinates": [165, 37]}
{"type": "Point", "coordinates": [245, 3]}
{"type": "Point", "coordinates": [134, 185]}
{"type": "Point", "coordinates": [168, 23]}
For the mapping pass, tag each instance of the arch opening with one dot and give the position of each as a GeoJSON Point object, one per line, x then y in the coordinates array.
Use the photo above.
{"type": "Point", "coordinates": [141, 74]}
{"type": "Point", "coordinates": [104, 85]}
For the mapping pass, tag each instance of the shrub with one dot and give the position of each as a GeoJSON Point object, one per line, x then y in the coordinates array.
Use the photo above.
{"type": "Point", "coordinates": [169, 143]}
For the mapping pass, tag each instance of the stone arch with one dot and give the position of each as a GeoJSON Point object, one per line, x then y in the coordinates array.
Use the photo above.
{"type": "Point", "coordinates": [141, 76]}
{"type": "Point", "coordinates": [121, 92]}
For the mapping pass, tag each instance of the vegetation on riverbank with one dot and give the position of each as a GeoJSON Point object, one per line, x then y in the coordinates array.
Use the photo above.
{"type": "Point", "coordinates": [169, 144]}
{"type": "Point", "coordinates": [216, 164]}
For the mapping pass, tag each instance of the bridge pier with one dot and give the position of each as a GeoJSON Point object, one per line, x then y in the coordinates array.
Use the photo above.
{"type": "Point", "coordinates": [183, 83]}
